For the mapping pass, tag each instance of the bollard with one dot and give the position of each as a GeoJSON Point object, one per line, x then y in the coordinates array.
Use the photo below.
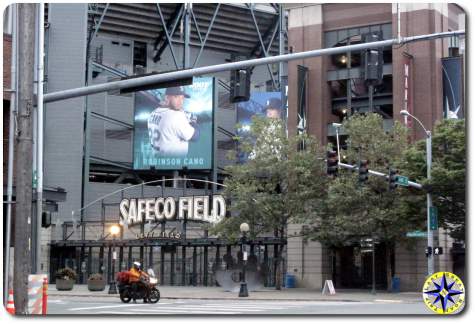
{"type": "Point", "coordinates": [44, 303]}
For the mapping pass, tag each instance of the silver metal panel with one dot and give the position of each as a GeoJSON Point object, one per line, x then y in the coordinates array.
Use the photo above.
{"type": "Point", "coordinates": [64, 120]}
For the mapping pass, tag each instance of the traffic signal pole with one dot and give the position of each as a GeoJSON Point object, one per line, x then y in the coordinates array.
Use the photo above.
{"type": "Point", "coordinates": [430, 232]}
{"type": "Point", "coordinates": [379, 174]}
{"type": "Point", "coordinates": [187, 73]}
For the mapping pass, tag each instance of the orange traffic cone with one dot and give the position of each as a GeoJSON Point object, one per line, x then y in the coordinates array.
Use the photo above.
{"type": "Point", "coordinates": [10, 304]}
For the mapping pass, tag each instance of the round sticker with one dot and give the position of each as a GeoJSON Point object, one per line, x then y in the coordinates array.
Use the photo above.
{"type": "Point", "coordinates": [443, 293]}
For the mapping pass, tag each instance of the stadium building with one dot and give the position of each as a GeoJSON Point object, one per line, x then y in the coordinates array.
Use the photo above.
{"type": "Point", "coordinates": [95, 147]}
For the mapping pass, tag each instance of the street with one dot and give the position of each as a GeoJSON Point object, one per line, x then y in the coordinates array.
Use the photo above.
{"type": "Point", "coordinates": [107, 305]}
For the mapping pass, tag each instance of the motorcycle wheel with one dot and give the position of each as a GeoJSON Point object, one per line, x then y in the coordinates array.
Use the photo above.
{"type": "Point", "coordinates": [125, 296]}
{"type": "Point", "coordinates": [154, 296]}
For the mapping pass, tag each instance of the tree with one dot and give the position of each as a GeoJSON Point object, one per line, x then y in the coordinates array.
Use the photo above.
{"type": "Point", "coordinates": [448, 175]}
{"type": "Point", "coordinates": [279, 183]}
{"type": "Point", "coordinates": [356, 210]}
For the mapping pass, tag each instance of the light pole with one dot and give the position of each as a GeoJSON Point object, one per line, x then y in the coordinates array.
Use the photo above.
{"type": "Point", "coordinates": [337, 127]}
{"type": "Point", "coordinates": [244, 228]}
{"type": "Point", "coordinates": [114, 230]}
{"type": "Point", "coordinates": [430, 233]}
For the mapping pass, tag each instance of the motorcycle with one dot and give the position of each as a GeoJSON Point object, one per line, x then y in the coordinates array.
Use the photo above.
{"type": "Point", "coordinates": [126, 290]}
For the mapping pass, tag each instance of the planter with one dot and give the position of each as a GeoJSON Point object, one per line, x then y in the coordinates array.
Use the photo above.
{"type": "Point", "coordinates": [96, 285]}
{"type": "Point", "coordinates": [64, 284]}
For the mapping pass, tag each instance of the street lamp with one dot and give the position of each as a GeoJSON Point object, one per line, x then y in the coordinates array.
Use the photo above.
{"type": "Point", "coordinates": [337, 128]}
{"type": "Point", "coordinates": [244, 228]}
{"type": "Point", "coordinates": [114, 231]}
{"type": "Point", "coordinates": [430, 233]}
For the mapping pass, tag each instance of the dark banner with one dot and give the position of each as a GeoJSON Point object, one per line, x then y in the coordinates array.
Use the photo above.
{"type": "Point", "coordinates": [452, 71]}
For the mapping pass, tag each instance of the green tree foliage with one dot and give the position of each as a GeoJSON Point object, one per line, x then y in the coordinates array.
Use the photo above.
{"type": "Point", "coordinates": [448, 175]}
{"type": "Point", "coordinates": [356, 211]}
{"type": "Point", "coordinates": [279, 183]}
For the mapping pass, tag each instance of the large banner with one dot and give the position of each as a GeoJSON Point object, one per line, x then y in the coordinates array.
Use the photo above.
{"type": "Point", "coordinates": [265, 104]}
{"type": "Point", "coordinates": [452, 70]}
{"type": "Point", "coordinates": [173, 127]}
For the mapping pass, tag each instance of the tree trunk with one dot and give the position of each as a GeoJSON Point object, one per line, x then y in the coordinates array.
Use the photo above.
{"type": "Point", "coordinates": [389, 270]}
{"type": "Point", "coordinates": [278, 272]}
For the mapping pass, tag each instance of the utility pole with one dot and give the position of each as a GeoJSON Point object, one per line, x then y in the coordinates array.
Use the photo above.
{"type": "Point", "coordinates": [24, 156]}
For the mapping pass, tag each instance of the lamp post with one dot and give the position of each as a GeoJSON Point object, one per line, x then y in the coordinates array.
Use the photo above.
{"type": "Point", "coordinates": [337, 128]}
{"type": "Point", "coordinates": [244, 228]}
{"type": "Point", "coordinates": [430, 233]}
{"type": "Point", "coordinates": [114, 230]}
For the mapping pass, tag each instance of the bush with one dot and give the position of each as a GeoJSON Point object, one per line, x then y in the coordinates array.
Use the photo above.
{"type": "Point", "coordinates": [66, 273]}
{"type": "Point", "coordinates": [122, 277]}
{"type": "Point", "coordinates": [96, 276]}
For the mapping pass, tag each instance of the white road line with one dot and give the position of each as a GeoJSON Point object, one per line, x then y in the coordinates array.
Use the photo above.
{"type": "Point", "coordinates": [115, 312]}
{"type": "Point", "coordinates": [202, 309]}
{"type": "Point", "coordinates": [248, 306]}
{"type": "Point", "coordinates": [107, 306]}
{"type": "Point", "coordinates": [184, 311]}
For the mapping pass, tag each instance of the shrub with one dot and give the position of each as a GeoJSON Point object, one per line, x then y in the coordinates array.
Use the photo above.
{"type": "Point", "coordinates": [66, 273]}
{"type": "Point", "coordinates": [96, 276]}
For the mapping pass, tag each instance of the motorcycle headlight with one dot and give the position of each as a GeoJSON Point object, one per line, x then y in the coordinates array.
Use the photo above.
{"type": "Point", "coordinates": [153, 280]}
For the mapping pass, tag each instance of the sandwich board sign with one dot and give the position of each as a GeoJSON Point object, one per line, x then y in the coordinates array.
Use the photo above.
{"type": "Point", "coordinates": [328, 288]}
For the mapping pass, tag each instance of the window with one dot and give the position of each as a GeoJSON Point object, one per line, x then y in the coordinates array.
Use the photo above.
{"type": "Point", "coordinates": [140, 56]}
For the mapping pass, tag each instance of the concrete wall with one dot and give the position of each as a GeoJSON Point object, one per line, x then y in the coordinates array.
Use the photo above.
{"type": "Point", "coordinates": [66, 58]}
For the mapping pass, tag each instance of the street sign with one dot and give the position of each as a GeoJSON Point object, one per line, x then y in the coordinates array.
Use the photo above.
{"type": "Point", "coordinates": [416, 234]}
{"type": "Point", "coordinates": [402, 181]}
{"type": "Point", "coordinates": [433, 218]}
{"type": "Point", "coordinates": [438, 250]}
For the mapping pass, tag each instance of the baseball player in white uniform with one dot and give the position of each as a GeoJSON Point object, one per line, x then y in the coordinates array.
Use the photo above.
{"type": "Point", "coordinates": [169, 127]}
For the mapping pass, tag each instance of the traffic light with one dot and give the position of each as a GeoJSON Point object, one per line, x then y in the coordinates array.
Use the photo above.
{"type": "Point", "coordinates": [332, 163]}
{"type": "Point", "coordinates": [240, 85]}
{"type": "Point", "coordinates": [438, 250]}
{"type": "Point", "coordinates": [428, 251]}
{"type": "Point", "coordinates": [363, 171]}
{"type": "Point", "coordinates": [393, 174]}
{"type": "Point", "coordinates": [46, 219]}
{"type": "Point", "coordinates": [373, 60]}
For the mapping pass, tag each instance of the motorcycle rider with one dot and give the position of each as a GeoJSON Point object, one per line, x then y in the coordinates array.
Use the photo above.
{"type": "Point", "coordinates": [136, 280]}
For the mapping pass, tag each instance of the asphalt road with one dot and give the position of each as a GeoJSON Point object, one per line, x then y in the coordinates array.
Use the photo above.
{"type": "Point", "coordinates": [100, 306]}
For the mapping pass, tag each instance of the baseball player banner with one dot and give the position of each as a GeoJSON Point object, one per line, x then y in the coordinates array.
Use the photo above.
{"type": "Point", "coordinates": [174, 127]}
{"type": "Point", "coordinates": [265, 104]}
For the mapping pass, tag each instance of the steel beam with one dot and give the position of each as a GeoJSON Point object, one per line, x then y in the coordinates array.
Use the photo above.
{"type": "Point", "coordinates": [262, 44]}
{"type": "Point", "coordinates": [203, 43]}
{"type": "Point", "coordinates": [147, 80]}
{"type": "Point", "coordinates": [169, 40]}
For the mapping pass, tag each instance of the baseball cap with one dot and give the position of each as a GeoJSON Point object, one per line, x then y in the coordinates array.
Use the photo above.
{"type": "Point", "coordinates": [176, 91]}
{"type": "Point", "coordinates": [274, 103]}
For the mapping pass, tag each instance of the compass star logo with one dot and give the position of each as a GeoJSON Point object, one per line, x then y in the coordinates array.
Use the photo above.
{"type": "Point", "coordinates": [444, 293]}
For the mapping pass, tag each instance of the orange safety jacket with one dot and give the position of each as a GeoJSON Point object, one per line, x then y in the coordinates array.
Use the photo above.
{"type": "Point", "coordinates": [134, 275]}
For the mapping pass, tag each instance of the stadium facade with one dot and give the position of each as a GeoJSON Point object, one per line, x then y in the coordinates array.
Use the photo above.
{"type": "Point", "coordinates": [90, 151]}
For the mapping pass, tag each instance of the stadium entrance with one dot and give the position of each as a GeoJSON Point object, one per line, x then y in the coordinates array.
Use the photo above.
{"type": "Point", "coordinates": [166, 232]}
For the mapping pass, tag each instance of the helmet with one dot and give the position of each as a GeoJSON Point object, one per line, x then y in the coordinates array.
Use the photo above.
{"type": "Point", "coordinates": [137, 264]}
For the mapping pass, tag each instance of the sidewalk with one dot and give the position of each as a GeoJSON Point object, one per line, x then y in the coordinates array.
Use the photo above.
{"type": "Point", "coordinates": [292, 294]}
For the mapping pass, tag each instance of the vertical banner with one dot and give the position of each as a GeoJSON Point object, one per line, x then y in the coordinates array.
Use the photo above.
{"type": "Point", "coordinates": [173, 127]}
{"type": "Point", "coordinates": [452, 76]}
{"type": "Point", "coordinates": [408, 87]}
{"type": "Point", "coordinates": [265, 104]}
{"type": "Point", "coordinates": [302, 98]}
